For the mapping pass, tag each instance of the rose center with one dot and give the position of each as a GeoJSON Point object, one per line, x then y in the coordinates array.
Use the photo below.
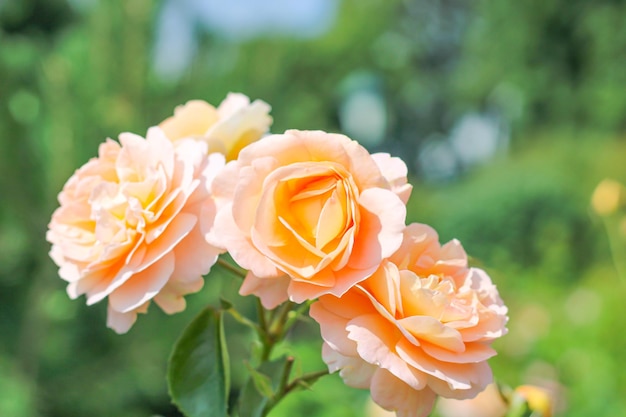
{"type": "Point", "coordinates": [315, 208]}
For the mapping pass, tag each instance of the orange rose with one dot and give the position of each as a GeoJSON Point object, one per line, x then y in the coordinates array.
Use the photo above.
{"type": "Point", "coordinates": [234, 124]}
{"type": "Point", "coordinates": [131, 225]}
{"type": "Point", "coordinates": [309, 213]}
{"type": "Point", "coordinates": [420, 326]}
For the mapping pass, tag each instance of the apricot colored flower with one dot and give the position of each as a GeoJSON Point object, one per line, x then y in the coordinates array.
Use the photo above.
{"type": "Point", "coordinates": [420, 326]}
{"type": "Point", "coordinates": [309, 213]}
{"type": "Point", "coordinates": [234, 124]}
{"type": "Point", "coordinates": [131, 225]}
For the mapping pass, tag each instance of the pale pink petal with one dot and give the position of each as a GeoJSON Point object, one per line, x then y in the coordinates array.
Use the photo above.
{"type": "Point", "coordinates": [474, 352]}
{"type": "Point", "coordinates": [333, 329]}
{"type": "Point", "coordinates": [395, 171]}
{"type": "Point", "coordinates": [271, 291]}
{"type": "Point", "coordinates": [120, 322]}
{"type": "Point", "coordinates": [380, 231]}
{"type": "Point", "coordinates": [224, 183]}
{"type": "Point", "coordinates": [194, 256]}
{"type": "Point", "coordinates": [142, 286]}
{"type": "Point", "coordinates": [249, 191]}
{"type": "Point", "coordinates": [394, 395]}
{"type": "Point", "coordinates": [301, 290]}
{"type": "Point", "coordinates": [303, 146]}
{"type": "Point", "coordinates": [354, 371]}
{"type": "Point", "coordinates": [350, 305]}
{"type": "Point", "coordinates": [149, 255]}
{"type": "Point", "coordinates": [226, 234]}
{"type": "Point", "coordinates": [433, 331]}
{"type": "Point", "coordinates": [483, 376]}
{"type": "Point", "coordinates": [376, 340]}
{"type": "Point", "coordinates": [171, 299]}
{"type": "Point", "coordinates": [457, 376]}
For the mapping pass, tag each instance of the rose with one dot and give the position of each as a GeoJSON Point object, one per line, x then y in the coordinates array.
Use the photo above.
{"type": "Point", "coordinates": [309, 213]}
{"type": "Point", "coordinates": [131, 225]}
{"type": "Point", "coordinates": [234, 124]}
{"type": "Point", "coordinates": [420, 326]}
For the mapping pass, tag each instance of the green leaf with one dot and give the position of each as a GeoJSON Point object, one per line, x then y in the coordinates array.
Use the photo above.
{"type": "Point", "coordinates": [252, 401]}
{"type": "Point", "coordinates": [225, 304]}
{"type": "Point", "coordinates": [198, 373]}
{"type": "Point", "coordinates": [262, 382]}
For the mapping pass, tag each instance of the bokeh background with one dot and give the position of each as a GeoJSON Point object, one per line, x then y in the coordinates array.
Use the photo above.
{"type": "Point", "coordinates": [508, 113]}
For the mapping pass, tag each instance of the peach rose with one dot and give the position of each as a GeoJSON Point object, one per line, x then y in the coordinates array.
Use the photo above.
{"type": "Point", "coordinates": [131, 225]}
{"type": "Point", "coordinates": [234, 124]}
{"type": "Point", "coordinates": [420, 326]}
{"type": "Point", "coordinates": [309, 213]}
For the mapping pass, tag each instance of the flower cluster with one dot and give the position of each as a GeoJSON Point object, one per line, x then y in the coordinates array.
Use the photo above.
{"type": "Point", "coordinates": [312, 216]}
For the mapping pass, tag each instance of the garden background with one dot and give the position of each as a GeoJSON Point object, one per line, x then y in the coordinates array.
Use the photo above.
{"type": "Point", "coordinates": [508, 114]}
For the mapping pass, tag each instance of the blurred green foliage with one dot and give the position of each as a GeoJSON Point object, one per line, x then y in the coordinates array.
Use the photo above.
{"type": "Point", "coordinates": [75, 72]}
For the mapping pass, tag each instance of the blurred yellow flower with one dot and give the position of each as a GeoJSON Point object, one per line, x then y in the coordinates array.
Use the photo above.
{"type": "Point", "coordinates": [538, 399]}
{"type": "Point", "coordinates": [607, 197]}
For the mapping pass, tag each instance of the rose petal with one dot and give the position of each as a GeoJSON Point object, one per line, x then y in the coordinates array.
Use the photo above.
{"type": "Point", "coordinates": [394, 395]}
{"type": "Point", "coordinates": [354, 372]}
{"type": "Point", "coordinates": [271, 291]}
{"type": "Point", "coordinates": [142, 286]}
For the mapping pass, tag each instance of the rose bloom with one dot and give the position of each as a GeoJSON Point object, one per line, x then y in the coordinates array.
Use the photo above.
{"type": "Point", "coordinates": [309, 213]}
{"type": "Point", "coordinates": [234, 124]}
{"type": "Point", "coordinates": [420, 326]}
{"type": "Point", "coordinates": [131, 225]}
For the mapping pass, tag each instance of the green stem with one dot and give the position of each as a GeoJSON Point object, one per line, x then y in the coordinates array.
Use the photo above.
{"type": "Point", "coordinates": [285, 388]}
{"type": "Point", "coordinates": [284, 380]}
{"type": "Point", "coordinates": [296, 315]}
{"type": "Point", "coordinates": [614, 244]}
{"type": "Point", "coordinates": [231, 268]}
{"type": "Point", "coordinates": [278, 326]}
{"type": "Point", "coordinates": [273, 331]}
{"type": "Point", "coordinates": [243, 320]}
{"type": "Point", "coordinates": [264, 332]}
{"type": "Point", "coordinates": [305, 380]}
